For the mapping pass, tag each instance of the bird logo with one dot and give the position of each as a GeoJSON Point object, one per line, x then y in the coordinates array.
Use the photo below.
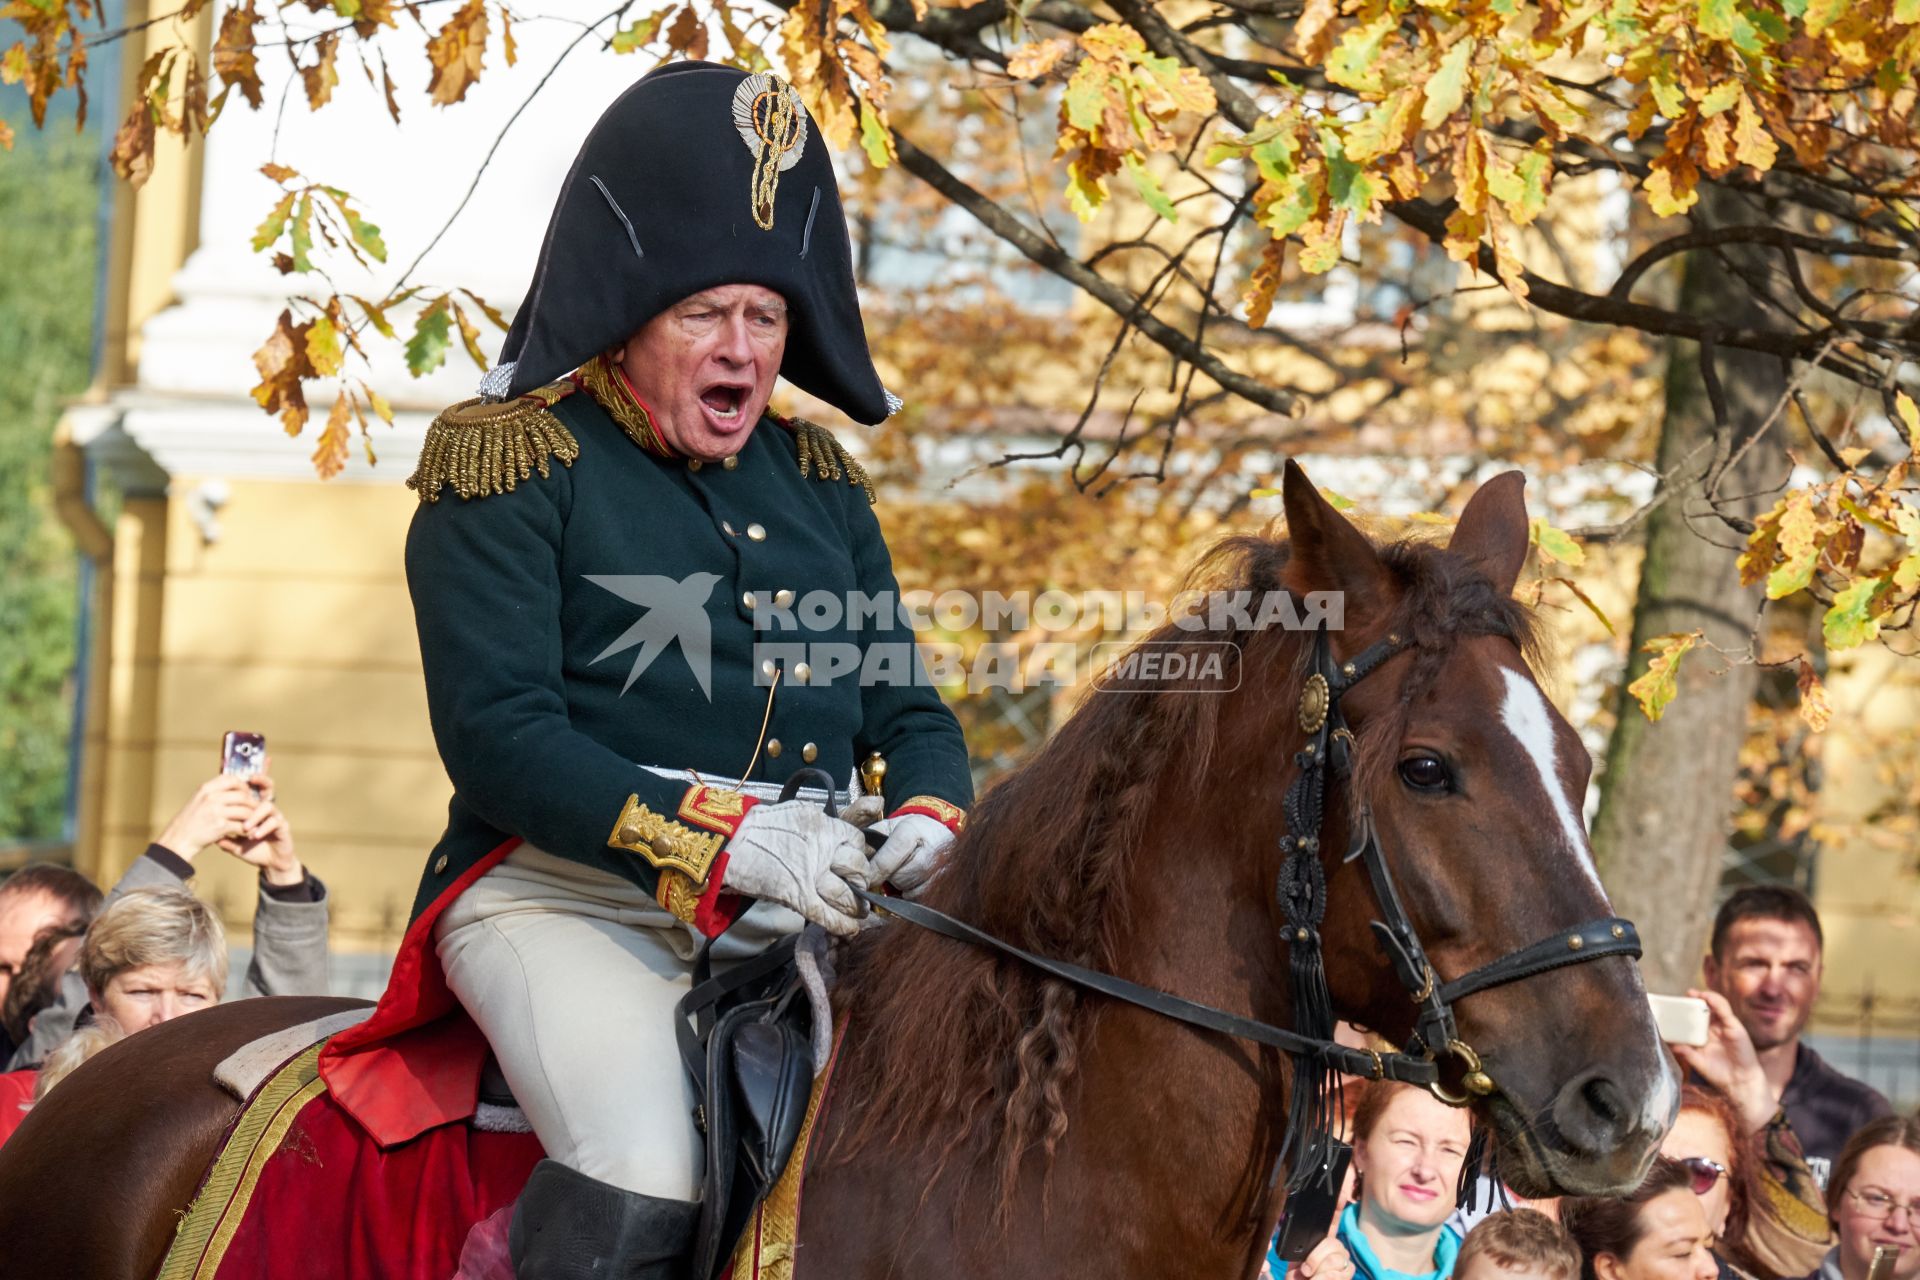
{"type": "Point", "coordinates": [676, 609]}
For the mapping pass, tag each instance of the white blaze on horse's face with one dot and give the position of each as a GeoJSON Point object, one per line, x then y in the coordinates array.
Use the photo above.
{"type": "Point", "coordinates": [1525, 712]}
{"type": "Point", "coordinates": [1530, 720]}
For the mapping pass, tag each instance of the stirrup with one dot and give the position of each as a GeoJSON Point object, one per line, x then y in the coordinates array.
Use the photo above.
{"type": "Point", "coordinates": [567, 1226]}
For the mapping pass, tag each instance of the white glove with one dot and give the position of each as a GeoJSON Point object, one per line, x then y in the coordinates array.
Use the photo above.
{"type": "Point", "coordinates": [915, 849]}
{"type": "Point", "coordinates": [797, 856]}
{"type": "Point", "coordinates": [864, 811]}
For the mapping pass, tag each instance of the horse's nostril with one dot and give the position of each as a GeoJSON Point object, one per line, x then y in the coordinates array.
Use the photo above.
{"type": "Point", "coordinates": [1594, 1113]}
{"type": "Point", "coordinates": [1607, 1102]}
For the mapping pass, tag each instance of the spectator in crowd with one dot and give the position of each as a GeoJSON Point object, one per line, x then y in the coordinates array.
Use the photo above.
{"type": "Point", "coordinates": [151, 955]}
{"type": "Point", "coordinates": [1659, 1231]}
{"type": "Point", "coordinates": [1767, 1210]}
{"type": "Point", "coordinates": [32, 900]}
{"type": "Point", "coordinates": [81, 1045]}
{"type": "Point", "coordinates": [1874, 1200]}
{"type": "Point", "coordinates": [239, 816]}
{"type": "Point", "coordinates": [1764, 960]}
{"type": "Point", "coordinates": [1408, 1148]}
{"type": "Point", "coordinates": [1708, 1140]}
{"type": "Point", "coordinates": [37, 982]}
{"type": "Point", "coordinates": [1523, 1244]}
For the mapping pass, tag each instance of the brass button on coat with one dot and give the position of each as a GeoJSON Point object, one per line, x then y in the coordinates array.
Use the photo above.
{"type": "Point", "coordinates": [730, 462]}
{"type": "Point", "coordinates": [768, 669]}
{"type": "Point", "coordinates": [802, 672]}
{"type": "Point", "coordinates": [694, 464]}
{"type": "Point", "coordinates": [727, 527]}
{"type": "Point", "coordinates": [440, 865]}
{"type": "Point", "coordinates": [782, 598]}
{"type": "Point", "coordinates": [773, 748]}
{"type": "Point", "coordinates": [750, 600]}
{"type": "Point", "coordinates": [757, 532]}
{"type": "Point", "coordinates": [809, 753]}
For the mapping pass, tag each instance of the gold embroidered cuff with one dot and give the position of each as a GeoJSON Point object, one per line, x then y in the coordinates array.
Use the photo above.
{"type": "Point", "coordinates": [665, 843]}
{"type": "Point", "coordinates": [678, 895]}
{"type": "Point", "coordinates": [715, 808]}
{"type": "Point", "coordinates": [942, 811]}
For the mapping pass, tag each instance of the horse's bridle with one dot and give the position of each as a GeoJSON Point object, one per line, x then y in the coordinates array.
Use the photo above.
{"type": "Point", "coordinates": [1302, 893]}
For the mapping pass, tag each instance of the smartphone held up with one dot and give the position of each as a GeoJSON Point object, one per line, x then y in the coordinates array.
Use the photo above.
{"type": "Point", "coordinates": [1681, 1019]}
{"type": "Point", "coordinates": [244, 755]}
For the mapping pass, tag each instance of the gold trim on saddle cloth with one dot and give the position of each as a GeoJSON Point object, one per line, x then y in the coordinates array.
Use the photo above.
{"type": "Point", "coordinates": [768, 1245]}
{"type": "Point", "coordinates": [215, 1215]}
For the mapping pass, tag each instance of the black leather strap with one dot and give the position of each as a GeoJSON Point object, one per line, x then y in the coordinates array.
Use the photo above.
{"type": "Point", "coordinates": [1355, 1062]}
{"type": "Point", "coordinates": [1593, 940]}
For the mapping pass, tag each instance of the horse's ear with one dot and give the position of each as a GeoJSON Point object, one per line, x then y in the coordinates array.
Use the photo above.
{"type": "Point", "coordinates": [1328, 553]}
{"type": "Point", "coordinates": [1492, 532]}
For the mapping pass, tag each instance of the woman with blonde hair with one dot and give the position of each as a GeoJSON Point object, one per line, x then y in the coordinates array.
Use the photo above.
{"type": "Point", "coordinates": [153, 955]}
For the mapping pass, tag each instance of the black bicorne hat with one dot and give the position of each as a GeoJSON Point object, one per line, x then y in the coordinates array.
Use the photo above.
{"type": "Point", "coordinates": [699, 175]}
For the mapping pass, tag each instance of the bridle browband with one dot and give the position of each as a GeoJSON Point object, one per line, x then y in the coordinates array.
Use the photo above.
{"type": "Point", "coordinates": [1302, 892]}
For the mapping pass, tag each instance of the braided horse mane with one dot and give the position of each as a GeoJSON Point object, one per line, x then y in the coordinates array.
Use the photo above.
{"type": "Point", "coordinates": [968, 1056]}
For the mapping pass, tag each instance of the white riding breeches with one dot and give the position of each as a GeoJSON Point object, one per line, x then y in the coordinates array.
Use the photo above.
{"type": "Point", "coordinates": [573, 975]}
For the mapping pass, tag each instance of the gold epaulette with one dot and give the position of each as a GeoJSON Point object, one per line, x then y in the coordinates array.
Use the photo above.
{"type": "Point", "coordinates": [823, 457]}
{"type": "Point", "coordinates": [481, 448]}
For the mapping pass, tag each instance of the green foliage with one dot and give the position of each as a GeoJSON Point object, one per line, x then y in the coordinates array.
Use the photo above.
{"type": "Point", "coordinates": [49, 194]}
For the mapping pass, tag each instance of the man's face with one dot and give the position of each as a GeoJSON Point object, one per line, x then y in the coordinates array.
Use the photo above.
{"type": "Point", "coordinates": [705, 366]}
{"type": "Point", "coordinates": [1769, 971]}
{"type": "Point", "coordinates": [22, 917]}
{"type": "Point", "coordinates": [152, 994]}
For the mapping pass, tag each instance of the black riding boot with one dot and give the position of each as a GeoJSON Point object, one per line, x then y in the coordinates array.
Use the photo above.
{"type": "Point", "coordinates": [567, 1226]}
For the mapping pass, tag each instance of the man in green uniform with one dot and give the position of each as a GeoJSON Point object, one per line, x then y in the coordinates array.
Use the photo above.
{"type": "Point", "coordinates": [596, 538]}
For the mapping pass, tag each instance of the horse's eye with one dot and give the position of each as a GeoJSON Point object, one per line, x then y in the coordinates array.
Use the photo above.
{"type": "Point", "coordinates": [1425, 773]}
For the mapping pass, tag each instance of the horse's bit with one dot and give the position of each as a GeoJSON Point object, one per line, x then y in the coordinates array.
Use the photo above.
{"type": "Point", "coordinates": [1302, 893]}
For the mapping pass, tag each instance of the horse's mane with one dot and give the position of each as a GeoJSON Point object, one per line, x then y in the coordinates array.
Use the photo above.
{"type": "Point", "coordinates": [964, 1054]}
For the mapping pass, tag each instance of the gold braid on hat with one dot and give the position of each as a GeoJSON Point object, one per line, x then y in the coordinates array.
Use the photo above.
{"type": "Point", "coordinates": [772, 123]}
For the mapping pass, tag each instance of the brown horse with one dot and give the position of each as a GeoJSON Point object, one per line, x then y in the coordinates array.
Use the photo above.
{"type": "Point", "coordinates": [990, 1123]}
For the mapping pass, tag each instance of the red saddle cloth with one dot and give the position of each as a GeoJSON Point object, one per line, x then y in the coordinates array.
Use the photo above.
{"type": "Point", "coordinates": [300, 1189]}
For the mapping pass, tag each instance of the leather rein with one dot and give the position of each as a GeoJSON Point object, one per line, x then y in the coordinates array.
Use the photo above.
{"type": "Point", "coordinates": [1302, 894]}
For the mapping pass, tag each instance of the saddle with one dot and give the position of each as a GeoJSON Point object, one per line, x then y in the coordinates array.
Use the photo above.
{"type": "Point", "coordinates": [745, 1039]}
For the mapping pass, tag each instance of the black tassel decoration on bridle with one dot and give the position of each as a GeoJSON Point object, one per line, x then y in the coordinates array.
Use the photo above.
{"type": "Point", "coordinates": [1313, 1109]}
{"type": "Point", "coordinates": [1482, 1158]}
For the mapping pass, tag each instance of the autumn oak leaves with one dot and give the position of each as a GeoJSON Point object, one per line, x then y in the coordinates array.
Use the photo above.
{"type": "Point", "coordinates": [1464, 121]}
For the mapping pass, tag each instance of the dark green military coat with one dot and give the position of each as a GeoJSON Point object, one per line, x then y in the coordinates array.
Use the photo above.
{"type": "Point", "coordinates": [527, 603]}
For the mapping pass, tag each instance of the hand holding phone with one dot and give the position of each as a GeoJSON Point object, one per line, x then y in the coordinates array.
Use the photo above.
{"type": "Point", "coordinates": [1310, 1211]}
{"type": "Point", "coordinates": [1724, 1056]}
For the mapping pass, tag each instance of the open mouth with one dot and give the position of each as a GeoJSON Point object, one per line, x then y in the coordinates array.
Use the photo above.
{"type": "Point", "coordinates": [725, 401]}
